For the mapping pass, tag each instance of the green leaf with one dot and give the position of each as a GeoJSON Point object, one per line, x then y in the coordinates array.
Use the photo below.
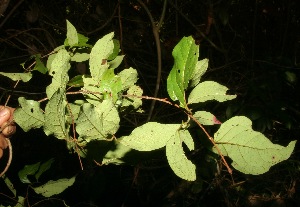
{"type": "Point", "coordinates": [150, 136]}
{"type": "Point", "coordinates": [73, 111]}
{"type": "Point", "coordinates": [72, 36]}
{"type": "Point", "coordinates": [54, 187]}
{"type": "Point", "coordinates": [92, 91]}
{"type": "Point", "coordinates": [39, 65]}
{"type": "Point", "coordinates": [99, 56]}
{"type": "Point", "coordinates": [200, 69]}
{"type": "Point", "coordinates": [206, 118]}
{"type": "Point", "coordinates": [59, 70]}
{"type": "Point", "coordinates": [10, 186]}
{"type": "Point", "coordinates": [110, 85]}
{"type": "Point", "coordinates": [76, 81]}
{"type": "Point", "coordinates": [80, 57]}
{"type": "Point", "coordinates": [250, 151]}
{"type": "Point", "coordinates": [179, 163]}
{"type": "Point", "coordinates": [55, 119]}
{"type": "Point", "coordinates": [116, 50]}
{"type": "Point", "coordinates": [28, 170]}
{"type": "Point", "coordinates": [115, 155]}
{"type": "Point", "coordinates": [29, 115]}
{"type": "Point", "coordinates": [185, 54]}
{"type": "Point", "coordinates": [98, 122]}
{"type": "Point", "coordinates": [43, 168]}
{"type": "Point", "coordinates": [209, 90]}
{"type": "Point", "coordinates": [128, 77]}
{"type": "Point", "coordinates": [135, 92]}
{"type": "Point", "coordinates": [82, 41]}
{"type": "Point", "coordinates": [116, 62]}
{"type": "Point", "coordinates": [25, 77]}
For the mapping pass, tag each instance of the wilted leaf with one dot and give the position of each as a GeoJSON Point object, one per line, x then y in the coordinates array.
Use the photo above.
{"type": "Point", "coordinates": [250, 151]}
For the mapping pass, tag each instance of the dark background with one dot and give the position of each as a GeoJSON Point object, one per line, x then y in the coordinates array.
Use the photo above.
{"type": "Point", "coordinates": [253, 48]}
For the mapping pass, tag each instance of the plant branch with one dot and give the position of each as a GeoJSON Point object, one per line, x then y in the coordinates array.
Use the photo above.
{"type": "Point", "coordinates": [155, 29]}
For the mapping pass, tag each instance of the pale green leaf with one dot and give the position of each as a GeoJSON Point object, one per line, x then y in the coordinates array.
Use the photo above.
{"type": "Point", "coordinates": [92, 93]}
{"type": "Point", "coordinates": [133, 99]}
{"type": "Point", "coordinates": [250, 151]}
{"type": "Point", "coordinates": [59, 70]}
{"type": "Point", "coordinates": [80, 57]}
{"type": "Point", "coordinates": [55, 116]}
{"type": "Point", "coordinates": [28, 170]}
{"type": "Point", "coordinates": [97, 122]}
{"type": "Point", "coordinates": [54, 187]}
{"type": "Point", "coordinates": [72, 36]}
{"type": "Point", "coordinates": [177, 159]}
{"type": "Point", "coordinates": [206, 118]}
{"type": "Point", "coordinates": [200, 69]}
{"type": "Point", "coordinates": [150, 136]}
{"type": "Point", "coordinates": [116, 62]}
{"type": "Point", "coordinates": [185, 54]}
{"type": "Point", "coordinates": [50, 60]}
{"type": "Point", "coordinates": [76, 81]}
{"type": "Point", "coordinates": [82, 41]}
{"type": "Point", "coordinates": [209, 90]}
{"type": "Point", "coordinates": [128, 77]}
{"type": "Point", "coordinates": [99, 55]}
{"type": "Point", "coordinates": [29, 115]}
{"type": "Point", "coordinates": [73, 111]}
{"type": "Point", "coordinates": [115, 155]}
{"type": "Point", "coordinates": [25, 77]}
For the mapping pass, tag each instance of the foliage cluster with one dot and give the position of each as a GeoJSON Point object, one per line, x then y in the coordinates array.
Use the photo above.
{"type": "Point", "coordinates": [103, 94]}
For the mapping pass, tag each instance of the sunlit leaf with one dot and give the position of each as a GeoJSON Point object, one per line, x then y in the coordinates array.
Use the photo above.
{"type": "Point", "coordinates": [250, 151]}
{"type": "Point", "coordinates": [99, 56]}
{"type": "Point", "coordinates": [72, 36]}
{"type": "Point", "coordinates": [39, 65]}
{"type": "Point", "coordinates": [133, 99]}
{"type": "Point", "coordinates": [54, 187]}
{"type": "Point", "coordinates": [98, 122]}
{"type": "Point", "coordinates": [25, 77]}
{"type": "Point", "coordinates": [150, 136]}
{"type": "Point", "coordinates": [128, 77]}
{"type": "Point", "coordinates": [80, 57]}
{"type": "Point", "coordinates": [206, 118]}
{"type": "Point", "coordinates": [200, 69]}
{"type": "Point", "coordinates": [185, 54]}
{"type": "Point", "coordinates": [59, 72]}
{"type": "Point", "coordinates": [29, 115]}
{"type": "Point", "coordinates": [209, 90]}
{"type": "Point", "coordinates": [116, 62]}
{"type": "Point", "coordinates": [55, 119]}
{"type": "Point", "coordinates": [177, 159]}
